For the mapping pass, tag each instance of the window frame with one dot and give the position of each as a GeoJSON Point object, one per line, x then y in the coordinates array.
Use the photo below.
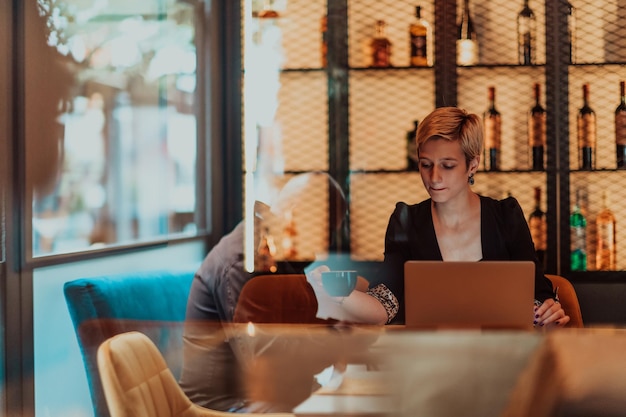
{"type": "Point", "coordinates": [206, 104]}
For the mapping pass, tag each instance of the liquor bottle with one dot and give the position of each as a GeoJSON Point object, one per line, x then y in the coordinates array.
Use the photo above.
{"type": "Point", "coordinates": [571, 32]}
{"type": "Point", "coordinates": [467, 41]}
{"type": "Point", "coordinates": [605, 238]}
{"type": "Point", "coordinates": [289, 237]}
{"type": "Point", "coordinates": [578, 237]}
{"type": "Point", "coordinates": [538, 226]}
{"type": "Point", "coordinates": [586, 133]}
{"type": "Point", "coordinates": [620, 129]}
{"type": "Point", "coordinates": [493, 133]}
{"type": "Point", "coordinates": [268, 12]}
{"type": "Point", "coordinates": [412, 163]}
{"type": "Point", "coordinates": [265, 260]}
{"type": "Point", "coordinates": [420, 37]}
{"type": "Point", "coordinates": [380, 47]}
{"type": "Point", "coordinates": [526, 35]}
{"type": "Point", "coordinates": [537, 132]}
{"type": "Point", "coordinates": [324, 44]}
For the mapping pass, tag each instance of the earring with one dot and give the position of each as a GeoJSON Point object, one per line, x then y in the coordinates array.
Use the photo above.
{"type": "Point", "coordinates": [471, 179]}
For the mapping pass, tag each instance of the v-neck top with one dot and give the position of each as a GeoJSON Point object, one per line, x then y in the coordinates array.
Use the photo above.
{"type": "Point", "coordinates": [504, 236]}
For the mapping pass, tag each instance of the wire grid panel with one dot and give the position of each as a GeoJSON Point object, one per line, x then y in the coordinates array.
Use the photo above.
{"type": "Point", "coordinates": [310, 215]}
{"type": "Point", "coordinates": [495, 22]}
{"type": "Point", "coordinates": [604, 97]}
{"type": "Point", "coordinates": [600, 33]}
{"type": "Point", "coordinates": [592, 185]}
{"type": "Point", "coordinates": [303, 117]}
{"type": "Point", "coordinates": [514, 99]}
{"type": "Point", "coordinates": [300, 23]}
{"type": "Point", "coordinates": [373, 199]}
{"type": "Point", "coordinates": [383, 105]}
{"type": "Point", "coordinates": [397, 14]}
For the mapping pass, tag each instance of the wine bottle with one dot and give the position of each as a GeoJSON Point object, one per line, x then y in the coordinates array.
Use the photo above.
{"type": "Point", "coordinates": [380, 46]}
{"type": "Point", "coordinates": [493, 133]}
{"type": "Point", "coordinates": [467, 40]}
{"type": "Point", "coordinates": [420, 36]}
{"type": "Point", "coordinates": [578, 237]}
{"type": "Point", "coordinates": [538, 226]}
{"type": "Point", "coordinates": [537, 132]}
{"type": "Point", "coordinates": [265, 260]}
{"type": "Point", "coordinates": [605, 238]}
{"type": "Point", "coordinates": [526, 35]}
{"type": "Point", "coordinates": [620, 129]}
{"type": "Point", "coordinates": [586, 133]}
{"type": "Point", "coordinates": [571, 32]}
{"type": "Point", "coordinates": [324, 44]}
{"type": "Point", "coordinates": [412, 162]}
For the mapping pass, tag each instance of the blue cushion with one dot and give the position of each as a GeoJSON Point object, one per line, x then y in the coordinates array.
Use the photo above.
{"type": "Point", "coordinates": [152, 302]}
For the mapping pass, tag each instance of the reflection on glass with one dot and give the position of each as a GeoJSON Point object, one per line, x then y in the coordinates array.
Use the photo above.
{"type": "Point", "coordinates": [262, 133]}
{"type": "Point", "coordinates": [125, 169]}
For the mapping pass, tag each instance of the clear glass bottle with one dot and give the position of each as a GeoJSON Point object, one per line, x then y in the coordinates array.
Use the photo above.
{"type": "Point", "coordinates": [578, 236]}
{"type": "Point", "coordinates": [526, 35]}
{"type": "Point", "coordinates": [605, 238]}
{"type": "Point", "coordinates": [537, 223]}
{"type": "Point", "coordinates": [420, 35]}
{"type": "Point", "coordinates": [381, 46]}
{"type": "Point", "coordinates": [620, 129]}
{"type": "Point", "coordinates": [586, 122]}
{"type": "Point", "coordinates": [467, 40]}
{"type": "Point", "coordinates": [493, 133]}
{"type": "Point", "coordinates": [537, 132]}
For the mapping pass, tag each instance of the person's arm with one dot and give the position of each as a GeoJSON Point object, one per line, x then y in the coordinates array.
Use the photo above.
{"type": "Point", "coordinates": [358, 307]}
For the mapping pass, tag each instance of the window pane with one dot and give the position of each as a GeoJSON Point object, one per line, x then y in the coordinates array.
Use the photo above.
{"type": "Point", "coordinates": [110, 122]}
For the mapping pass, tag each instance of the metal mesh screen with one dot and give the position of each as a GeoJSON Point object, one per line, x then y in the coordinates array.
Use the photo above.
{"type": "Point", "coordinates": [383, 102]}
{"type": "Point", "coordinates": [599, 56]}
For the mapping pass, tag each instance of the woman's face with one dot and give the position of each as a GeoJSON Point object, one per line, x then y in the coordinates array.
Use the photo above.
{"type": "Point", "coordinates": [443, 169]}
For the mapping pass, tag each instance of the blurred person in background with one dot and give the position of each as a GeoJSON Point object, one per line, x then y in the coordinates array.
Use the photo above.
{"type": "Point", "coordinates": [212, 375]}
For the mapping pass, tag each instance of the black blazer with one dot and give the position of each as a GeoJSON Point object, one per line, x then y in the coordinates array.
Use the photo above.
{"type": "Point", "coordinates": [411, 236]}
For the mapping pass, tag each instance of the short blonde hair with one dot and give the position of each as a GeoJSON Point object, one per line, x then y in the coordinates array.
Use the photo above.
{"type": "Point", "coordinates": [453, 124]}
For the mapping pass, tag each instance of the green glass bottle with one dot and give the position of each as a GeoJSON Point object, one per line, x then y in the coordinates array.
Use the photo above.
{"type": "Point", "coordinates": [578, 237]}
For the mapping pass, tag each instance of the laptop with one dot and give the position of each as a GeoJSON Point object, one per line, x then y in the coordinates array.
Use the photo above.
{"type": "Point", "coordinates": [469, 295]}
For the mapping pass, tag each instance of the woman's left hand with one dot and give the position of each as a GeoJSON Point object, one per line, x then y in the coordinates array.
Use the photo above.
{"type": "Point", "coordinates": [550, 314]}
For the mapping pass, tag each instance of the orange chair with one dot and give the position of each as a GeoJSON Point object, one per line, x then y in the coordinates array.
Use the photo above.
{"type": "Point", "coordinates": [568, 299]}
{"type": "Point", "coordinates": [279, 298]}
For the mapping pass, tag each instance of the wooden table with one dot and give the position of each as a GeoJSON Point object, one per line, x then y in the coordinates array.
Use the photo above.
{"type": "Point", "coordinates": [436, 374]}
{"type": "Point", "coordinates": [360, 394]}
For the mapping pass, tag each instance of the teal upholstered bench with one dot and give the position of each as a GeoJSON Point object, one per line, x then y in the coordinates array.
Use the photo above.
{"type": "Point", "coordinates": [152, 302]}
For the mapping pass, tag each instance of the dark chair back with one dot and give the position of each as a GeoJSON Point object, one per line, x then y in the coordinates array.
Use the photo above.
{"type": "Point", "coordinates": [278, 298]}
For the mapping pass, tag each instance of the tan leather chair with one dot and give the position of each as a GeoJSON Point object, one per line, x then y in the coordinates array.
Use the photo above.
{"type": "Point", "coordinates": [568, 299]}
{"type": "Point", "coordinates": [137, 382]}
